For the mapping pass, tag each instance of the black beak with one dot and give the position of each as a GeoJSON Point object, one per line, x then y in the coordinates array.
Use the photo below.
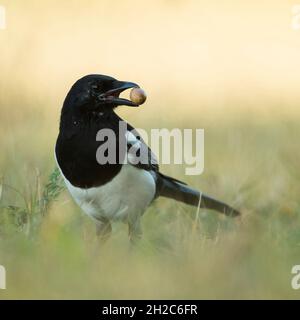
{"type": "Point", "coordinates": [112, 96]}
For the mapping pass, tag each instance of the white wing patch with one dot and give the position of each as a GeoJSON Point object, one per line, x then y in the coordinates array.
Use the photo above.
{"type": "Point", "coordinates": [138, 152]}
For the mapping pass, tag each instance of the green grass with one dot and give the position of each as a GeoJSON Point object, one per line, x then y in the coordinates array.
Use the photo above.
{"type": "Point", "coordinates": [50, 250]}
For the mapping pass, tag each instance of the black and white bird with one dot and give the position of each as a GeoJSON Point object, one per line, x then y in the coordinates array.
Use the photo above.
{"type": "Point", "coordinates": [120, 191]}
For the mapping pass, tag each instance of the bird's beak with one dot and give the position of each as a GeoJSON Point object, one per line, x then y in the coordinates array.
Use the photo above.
{"type": "Point", "coordinates": [112, 96]}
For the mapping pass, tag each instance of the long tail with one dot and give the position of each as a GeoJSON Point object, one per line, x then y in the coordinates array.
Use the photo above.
{"type": "Point", "coordinates": [177, 190]}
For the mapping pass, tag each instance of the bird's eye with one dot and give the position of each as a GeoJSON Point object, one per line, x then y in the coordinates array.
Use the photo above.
{"type": "Point", "coordinates": [95, 87]}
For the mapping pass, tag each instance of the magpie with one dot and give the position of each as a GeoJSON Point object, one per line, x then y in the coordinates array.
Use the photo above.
{"type": "Point", "coordinates": [121, 190]}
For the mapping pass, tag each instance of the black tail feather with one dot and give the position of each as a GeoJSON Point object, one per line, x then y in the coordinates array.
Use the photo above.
{"type": "Point", "coordinates": [170, 188]}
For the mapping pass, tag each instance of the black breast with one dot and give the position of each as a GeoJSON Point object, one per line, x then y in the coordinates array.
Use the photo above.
{"type": "Point", "coordinates": [76, 156]}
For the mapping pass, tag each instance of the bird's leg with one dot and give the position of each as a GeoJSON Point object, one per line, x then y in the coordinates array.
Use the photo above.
{"type": "Point", "coordinates": [103, 230]}
{"type": "Point", "coordinates": [134, 230]}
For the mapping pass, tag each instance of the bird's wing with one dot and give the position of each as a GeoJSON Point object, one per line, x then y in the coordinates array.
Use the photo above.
{"type": "Point", "coordinates": [141, 156]}
{"type": "Point", "coordinates": [138, 153]}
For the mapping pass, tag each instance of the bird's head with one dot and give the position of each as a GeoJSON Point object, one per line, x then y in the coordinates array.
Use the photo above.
{"type": "Point", "coordinates": [98, 93]}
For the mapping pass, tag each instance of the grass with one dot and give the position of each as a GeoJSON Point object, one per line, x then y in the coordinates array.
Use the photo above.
{"type": "Point", "coordinates": [49, 248]}
{"type": "Point", "coordinates": [28, 218]}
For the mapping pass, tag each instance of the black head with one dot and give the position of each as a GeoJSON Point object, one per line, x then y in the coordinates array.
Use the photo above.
{"type": "Point", "coordinates": [97, 93]}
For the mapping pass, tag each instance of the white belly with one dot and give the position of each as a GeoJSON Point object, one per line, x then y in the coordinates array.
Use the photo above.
{"type": "Point", "coordinates": [130, 192]}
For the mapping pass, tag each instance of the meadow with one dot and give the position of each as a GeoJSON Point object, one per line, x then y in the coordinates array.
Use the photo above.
{"type": "Point", "coordinates": [50, 250]}
{"type": "Point", "coordinates": [245, 99]}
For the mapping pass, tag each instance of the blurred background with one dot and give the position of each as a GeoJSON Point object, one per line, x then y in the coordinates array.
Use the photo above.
{"type": "Point", "coordinates": [230, 67]}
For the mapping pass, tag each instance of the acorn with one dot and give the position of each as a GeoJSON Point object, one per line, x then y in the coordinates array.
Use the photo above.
{"type": "Point", "coordinates": [138, 96]}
